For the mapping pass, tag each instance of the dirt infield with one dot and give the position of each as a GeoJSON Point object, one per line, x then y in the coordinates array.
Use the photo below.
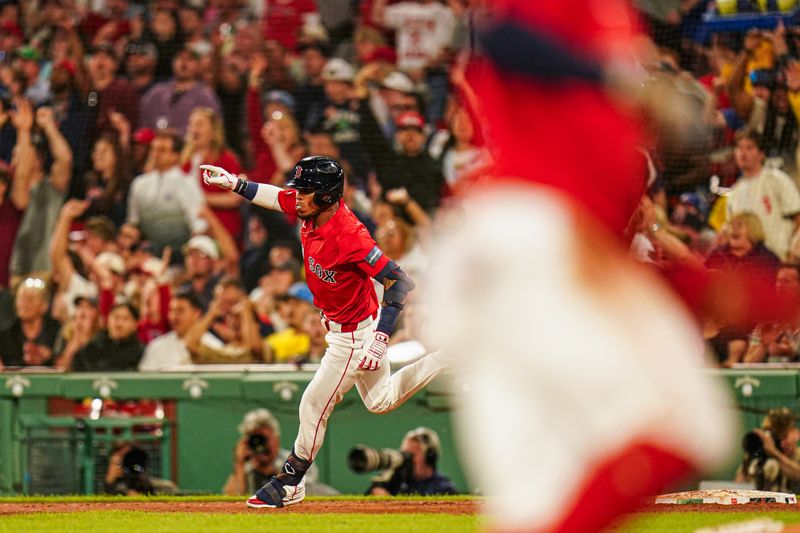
{"type": "Point", "coordinates": [312, 507]}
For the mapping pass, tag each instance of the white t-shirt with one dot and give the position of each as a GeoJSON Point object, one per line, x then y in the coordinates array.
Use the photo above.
{"type": "Point", "coordinates": [773, 196]}
{"type": "Point", "coordinates": [168, 351]}
{"type": "Point", "coordinates": [423, 31]}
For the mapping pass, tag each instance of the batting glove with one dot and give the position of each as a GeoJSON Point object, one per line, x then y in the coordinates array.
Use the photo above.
{"type": "Point", "coordinates": [375, 350]}
{"type": "Point", "coordinates": [219, 176]}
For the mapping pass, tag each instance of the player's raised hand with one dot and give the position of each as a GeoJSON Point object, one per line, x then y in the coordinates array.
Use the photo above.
{"type": "Point", "coordinates": [219, 176]}
{"type": "Point", "coordinates": [375, 349]}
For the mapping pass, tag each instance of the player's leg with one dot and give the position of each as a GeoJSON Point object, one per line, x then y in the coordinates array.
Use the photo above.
{"type": "Point", "coordinates": [584, 372]}
{"type": "Point", "coordinates": [332, 380]}
{"type": "Point", "coordinates": [381, 391]}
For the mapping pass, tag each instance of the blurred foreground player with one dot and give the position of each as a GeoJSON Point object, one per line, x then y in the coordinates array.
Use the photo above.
{"type": "Point", "coordinates": [583, 367]}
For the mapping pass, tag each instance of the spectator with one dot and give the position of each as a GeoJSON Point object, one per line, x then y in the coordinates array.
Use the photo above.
{"type": "Point", "coordinates": [8, 132]}
{"type": "Point", "coordinates": [70, 108]}
{"type": "Point", "coordinates": [78, 330]}
{"type": "Point", "coordinates": [140, 65]}
{"type": "Point", "coordinates": [418, 474]}
{"type": "Point", "coordinates": [109, 25]}
{"type": "Point", "coordinates": [778, 342]}
{"type": "Point", "coordinates": [258, 456]}
{"type": "Point", "coordinates": [292, 342]}
{"type": "Point", "coordinates": [168, 104]}
{"type": "Point", "coordinates": [398, 240]}
{"type": "Point", "coordinates": [42, 194]}
{"type": "Point", "coordinates": [12, 205]}
{"type": "Point", "coordinates": [169, 350]}
{"type": "Point", "coordinates": [162, 31]}
{"type": "Point", "coordinates": [128, 473]}
{"type": "Point", "coordinates": [108, 93]}
{"type": "Point", "coordinates": [164, 202]}
{"type": "Point", "coordinates": [230, 318]}
{"type": "Point", "coordinates": [744, 253]}
{"type": "Point", "coordinates": [37, 86]}
{"type": "Point", "coordinates": [337, 114]}
{"type": "Point", "coordinates": [276, 282]}
{"type": "Point", "coordinates": [411, 167]}
{"type": "Point", "coordinates": [765, 191]}
{"type": "Point", "coordinates": [116, 348]}
{"type": "Point", "coordinates": [30, 339]}
{"type": "Point", "coordinates": [283, 20]}
{"type": "Point", "coordinates": [205, 145]}
{"type": "Point", "coordinates": [200, 259]}
{"type": "Point", "coordinates": [310, 92]}
{"type": "Point", "coordinates": [425, 32]}
{"type": "Point", "coordinates": [108, 182]}
{"type": "Point", "coordinates": [461, 156]}
{"type": "Point", "coordinates": [780, 470]}
{"type": "Point", "coordinates": [313, 327]}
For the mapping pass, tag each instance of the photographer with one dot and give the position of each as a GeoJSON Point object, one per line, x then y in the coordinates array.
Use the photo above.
{"type": "Point", "coordinates": [772, 458]}
{"type": "Point", "coordinates": [127, 473]}
{"type": "Point", "coordinates": [258, 456]}
{"type": "Point", "coordinates": [417, 474]}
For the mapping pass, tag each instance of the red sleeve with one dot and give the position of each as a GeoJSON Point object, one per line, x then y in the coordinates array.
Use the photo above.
{"type": "Point", "coordinates": [287, 201]}
{"type": "Point", "coordinates": [105, 302]}
{"type": "Point", "coordinates": [164, 296]}
{"type": "Point", "coordinates": [358, 247]}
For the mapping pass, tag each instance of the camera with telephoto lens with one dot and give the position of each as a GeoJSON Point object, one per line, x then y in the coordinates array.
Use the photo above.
{"type": "Point", "coordinates": [366, 459]}
{"type": "Point", "coordinates": [257, 443]}
{"type": "Point", "coordinates": [753, 445]}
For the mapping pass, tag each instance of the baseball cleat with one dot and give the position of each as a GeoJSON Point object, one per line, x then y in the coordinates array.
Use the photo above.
{"type": "Point", "coordinates": [276, 494]}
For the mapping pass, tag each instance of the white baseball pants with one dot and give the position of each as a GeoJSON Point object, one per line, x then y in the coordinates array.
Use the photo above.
{"type": "Point", "coordinates": [380, 390]}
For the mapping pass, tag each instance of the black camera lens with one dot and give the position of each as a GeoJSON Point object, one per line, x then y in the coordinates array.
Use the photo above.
{"type": "Point", "coordinates": [753, 445]}
{"type": "Point", "coordinates": [257, 443]}
{"type": "Point", "coordinates": [135, 461]}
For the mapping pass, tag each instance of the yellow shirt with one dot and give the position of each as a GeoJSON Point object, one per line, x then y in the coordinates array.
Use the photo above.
{"type": "Point", "coordinates": [288, 344]}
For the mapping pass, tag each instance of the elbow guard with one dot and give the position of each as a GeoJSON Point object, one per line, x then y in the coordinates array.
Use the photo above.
{"type": "Point", "coordinates": [398, 286]}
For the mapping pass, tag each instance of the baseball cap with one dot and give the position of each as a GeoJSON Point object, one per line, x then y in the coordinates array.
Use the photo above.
{"type": "Point", "coordinates": [141, 48]}
{"type": "Point", "coordinates": [300, 291]}
{"type": "Point", "coordinates": [144, 135]}
{"type": "Point", "coordinates": [338, 69]}
{"type": "Point", "coordinates": [68, 65]}
{"type": "Point", "coordinates": [410, 119]}
{"type": "Point", "coordinates": [28, 52]}
{"type": "Point", "coordinates": [397, 81]}
{"type": "Point", "coordinates": [83, 298]}
{"type": "Point", "coordinates": [112, 261]}
{"type": "Point", "coordinates": [281, 97]}
{"type": "Point", "coordinates": [203, 244]}
{"type": "Point", "coordinates": [105, 48]}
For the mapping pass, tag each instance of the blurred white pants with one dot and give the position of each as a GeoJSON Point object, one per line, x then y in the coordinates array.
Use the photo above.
{"type": "Point", "coordinates": [571, 354]}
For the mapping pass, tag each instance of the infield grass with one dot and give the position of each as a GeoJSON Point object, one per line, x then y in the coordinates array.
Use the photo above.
{"type": "Point", "coordinates": [138, 521]}
{"type": "Point", "coordinates": [674, 522]}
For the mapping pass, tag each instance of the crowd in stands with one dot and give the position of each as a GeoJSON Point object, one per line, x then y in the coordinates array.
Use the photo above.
{"type": "Point", "coordinates": [114, 255]}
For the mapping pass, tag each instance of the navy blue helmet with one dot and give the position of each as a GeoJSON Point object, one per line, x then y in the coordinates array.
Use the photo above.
{"type": "Point", "coordinates": [322, 175]}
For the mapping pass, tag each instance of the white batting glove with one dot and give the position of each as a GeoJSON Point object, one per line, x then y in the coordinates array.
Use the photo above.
{"type": "Point", "coordinates": [219, 176]}
{"type": "Point", "coordinates": [375, 350]}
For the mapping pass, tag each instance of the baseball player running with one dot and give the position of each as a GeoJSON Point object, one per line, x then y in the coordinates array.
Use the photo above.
{"type": "Point", "coordinates": [340, 257]}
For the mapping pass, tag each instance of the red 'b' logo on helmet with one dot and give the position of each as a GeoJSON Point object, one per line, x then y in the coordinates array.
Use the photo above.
{"type": "Point", "coordinates": [297, 171]}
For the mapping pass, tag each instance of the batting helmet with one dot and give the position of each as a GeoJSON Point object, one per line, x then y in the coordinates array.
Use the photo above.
{"type": "Point", "coordinates": [320, 174]}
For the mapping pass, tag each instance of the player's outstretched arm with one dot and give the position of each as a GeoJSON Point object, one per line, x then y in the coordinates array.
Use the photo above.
{"type": "Point", "coordinates": [260, 194]}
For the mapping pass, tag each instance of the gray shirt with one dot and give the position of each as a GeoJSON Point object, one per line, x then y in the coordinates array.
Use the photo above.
{"type": "Point", "coordinates": [163, 107]}
{"type": "Point", "coordinates": [32, 247]}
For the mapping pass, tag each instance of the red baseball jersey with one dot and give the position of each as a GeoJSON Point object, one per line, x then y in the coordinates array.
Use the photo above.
{"type": "Point", "coordinates": [339, 258]}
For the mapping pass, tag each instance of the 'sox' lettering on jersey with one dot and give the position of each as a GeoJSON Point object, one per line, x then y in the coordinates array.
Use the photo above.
{"type": "Point", "coordinates": [328, 276]}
